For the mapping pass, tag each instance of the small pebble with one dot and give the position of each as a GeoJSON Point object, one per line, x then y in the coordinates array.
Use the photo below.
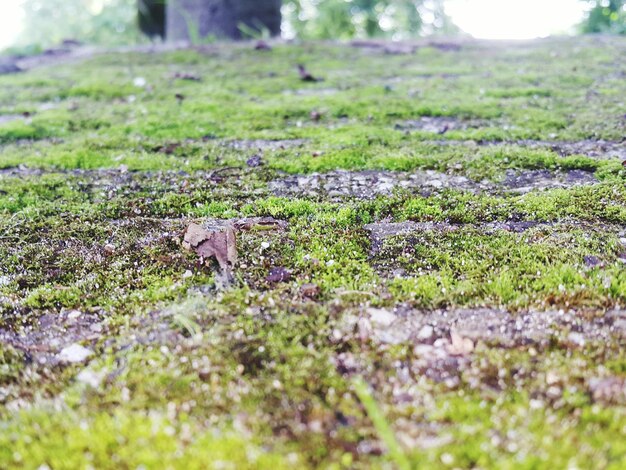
{"type": "Point", "coordinates": [74, 353]}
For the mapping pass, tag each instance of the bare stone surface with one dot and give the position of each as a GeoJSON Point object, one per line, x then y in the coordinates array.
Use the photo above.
{"type": "Point", "coordinates": [19, 171]}
{"type": "Point", "coordinates": [598, 149]}
{"type": "Point", "coordinates": [8, 65]}
{"type": "Point", "coordinates": [441, 124]}
{"type": "Point", "coordinates": [525, 181]}
{"type": "Point", "coordinates": [445, 342]}
{"type": "Point", "coordinates": [379, 231]}
{"type": "Point", "coordinates": [74, 353]}
{"type": "Point", "coordinates": [372, 183]}
{"type": "Point", "coordinates": [492, 326]}
{"type": "Point", "coordinates": [53, 333]}
{"type": "Point", "coordinates": [366, 184]}
{"type": "Point", "coordinates": [410, 46]}
{"type": "Point", "coordinates": [608, 390]}
{"type": "Point", "coordinates": [265, 145]}
{"type": "Point", "coordinates": [5, 118]}
{"type": "Point", "coordinates": [312, 92]}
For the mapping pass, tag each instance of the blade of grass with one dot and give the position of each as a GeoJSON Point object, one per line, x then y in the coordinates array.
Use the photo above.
{"type": "Point", "coordinates": [383, 429]}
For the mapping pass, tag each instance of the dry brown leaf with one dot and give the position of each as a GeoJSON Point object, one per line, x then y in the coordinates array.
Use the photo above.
{"type": "Point", "coordinates": [215, 242]}
{"type": "Point", "coordinates": [460, 346]}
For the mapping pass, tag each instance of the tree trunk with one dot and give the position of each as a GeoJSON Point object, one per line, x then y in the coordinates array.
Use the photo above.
{"type": "Point", "coordinates": [151, 17]}
{"type": "Point", "coordinates": [196, 19]}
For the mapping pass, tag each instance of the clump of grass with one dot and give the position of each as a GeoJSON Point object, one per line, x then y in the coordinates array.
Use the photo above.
{"type": "Point", "coordinates": [381, 425]}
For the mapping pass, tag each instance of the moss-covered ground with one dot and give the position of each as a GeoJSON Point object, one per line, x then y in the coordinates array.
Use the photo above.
{"type": "Point", "coordinates": [443, 285]}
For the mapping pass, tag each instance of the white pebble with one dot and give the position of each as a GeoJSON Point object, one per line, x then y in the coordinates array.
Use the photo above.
{"type": "Point", "coordinates": [426, 332]}
{"type": "Point", "coordinates": [381, 317]}
{"type": "Point", "coordinates": [91, 378]}
{"type": "Point", "coordinates": [139, 82]}
{"type": "Point", "coordinates": [74, 353]}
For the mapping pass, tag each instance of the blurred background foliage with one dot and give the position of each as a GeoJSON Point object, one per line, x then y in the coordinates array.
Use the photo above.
{"type": "Point", "coordinates": [606, 16]}
{"type": "Point", "coordinates": [108, 22]}
{"type": "Point", "coordinates": [394, 19]}
{"type": "Point", "coordinates": [114, 22]}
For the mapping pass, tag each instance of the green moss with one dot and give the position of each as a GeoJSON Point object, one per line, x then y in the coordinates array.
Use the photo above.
{"type": "Point", "coordinates": [191, 373]}
{"type": "Point", "coordinates": [122, 440]}
{"type": "Point", "coordinates": [18, 130]}
{"type": "Point", "coordinates": [12, 362]}
{"type": "Point", "coordinates": [520, 93]}
{"type": "Point", "coordinates": [542, 266]}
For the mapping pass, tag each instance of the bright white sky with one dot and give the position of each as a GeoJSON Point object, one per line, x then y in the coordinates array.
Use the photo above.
{"type": "Point", "coordinates": [515, 19]}
{"type": "Point", "coordinates": [11, 18]}
{"type": "Point", "coordinates": [489, 19]}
